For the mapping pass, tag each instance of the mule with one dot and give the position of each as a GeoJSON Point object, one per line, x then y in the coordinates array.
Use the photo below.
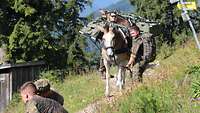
{"type": "Point", "coordinates": [114, 50]}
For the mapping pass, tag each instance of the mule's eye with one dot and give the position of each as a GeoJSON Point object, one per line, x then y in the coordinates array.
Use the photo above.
{"type": "Point", "coordinates": [92, 27]}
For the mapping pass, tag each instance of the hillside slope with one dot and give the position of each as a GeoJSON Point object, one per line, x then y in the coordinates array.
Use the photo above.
{"type": "Point", "coordinates": [166, 89]}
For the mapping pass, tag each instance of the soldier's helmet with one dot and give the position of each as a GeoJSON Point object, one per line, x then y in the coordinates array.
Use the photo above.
{"type": "Point", "coordinates": [42, 85]}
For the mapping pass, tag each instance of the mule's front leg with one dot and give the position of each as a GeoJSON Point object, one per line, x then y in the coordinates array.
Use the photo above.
{"type": "Point", "coordinates": [107, 92]}
{"type": "Point", "coordinates": [119, 78]}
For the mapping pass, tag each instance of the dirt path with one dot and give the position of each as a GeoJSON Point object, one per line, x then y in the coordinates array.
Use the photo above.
{"type": "Point", "coordinates": [95, 107]}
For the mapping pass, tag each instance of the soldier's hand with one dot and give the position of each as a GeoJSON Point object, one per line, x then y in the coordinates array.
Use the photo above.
{"type": "Point", "coordinates": [128, 65]}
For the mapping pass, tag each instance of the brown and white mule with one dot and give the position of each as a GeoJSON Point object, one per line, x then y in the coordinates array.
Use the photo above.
{"type": "Point", "coordinates": [114, 51]}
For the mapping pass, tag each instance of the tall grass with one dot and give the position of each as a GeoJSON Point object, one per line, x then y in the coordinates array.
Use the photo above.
{"type": "Point", "coordinates": [79, 91]}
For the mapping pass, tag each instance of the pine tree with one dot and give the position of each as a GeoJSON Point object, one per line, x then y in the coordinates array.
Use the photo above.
{"type": "Point", "coordinates": [35, 30]}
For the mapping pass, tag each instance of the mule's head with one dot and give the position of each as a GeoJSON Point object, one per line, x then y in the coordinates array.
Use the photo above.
{"type": "Point", "coordinates": [108, 38]}
{"type": "Point", "coordinates": [113, 40]}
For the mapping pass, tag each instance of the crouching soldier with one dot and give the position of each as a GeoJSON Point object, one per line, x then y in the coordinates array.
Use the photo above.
{"type": "Point", "coordinates": [44, 90]}
{"type": "Point", "coordinates": [37, 104]}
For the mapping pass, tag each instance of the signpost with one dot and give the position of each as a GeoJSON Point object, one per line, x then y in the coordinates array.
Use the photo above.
{"type": "Point", "coordinates": [187, 5]}
{"type": "Point", "coordinates": [184, 6]}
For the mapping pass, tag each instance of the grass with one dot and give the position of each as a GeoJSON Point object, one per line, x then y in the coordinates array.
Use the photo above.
{"type": "Point", "coordinates": [170, 92]}
{"type": "Point", "coordinates": [78, 92]}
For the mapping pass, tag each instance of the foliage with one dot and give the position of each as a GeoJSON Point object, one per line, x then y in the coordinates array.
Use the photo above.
{"type": "Point", "coordinates": [165, 51]}
{"type": "Point", "coordinates": [41, 30]}
{"type": "Point", "coordinates": [15, 104]}
{"type": "Point", "coordinates": [168, 15]}
{"type": "Point", "coordinates": [182, 38]}
{"type": "Point", "coordinates": [150, 8]}
{"type": "Point", "coordinates": [194, 72]}
{"type": "Point", "coordinates": [148, 100]}
{"type": "Point", "coordinates": [55, 76]}
{"type": "Point", "coordinates": [195, 18]}
{"type": "Point", "coordinates": [196, 89]}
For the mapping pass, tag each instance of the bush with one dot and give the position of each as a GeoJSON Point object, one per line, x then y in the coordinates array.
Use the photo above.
{"type": "Point", "coordinates": [165, 51]}
{"type": "Point", "coordinates": [194, 72]}
{"type": "Point", "coordinates": [55, 76]}
{"type": "Point", "coordinates": [16, 105]}
{"type": "Point", "coordinates": [196, 89]}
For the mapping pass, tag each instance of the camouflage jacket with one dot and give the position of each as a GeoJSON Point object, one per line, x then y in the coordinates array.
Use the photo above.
{"type": "Point", "coordinates": [40, 104]}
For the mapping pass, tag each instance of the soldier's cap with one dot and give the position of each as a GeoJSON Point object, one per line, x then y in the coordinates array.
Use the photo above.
{"type": "Point", "coordinates": [42, 85]}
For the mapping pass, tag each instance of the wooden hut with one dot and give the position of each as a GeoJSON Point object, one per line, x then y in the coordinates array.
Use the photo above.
{"type": "Point", "coordinates": [12, 76]}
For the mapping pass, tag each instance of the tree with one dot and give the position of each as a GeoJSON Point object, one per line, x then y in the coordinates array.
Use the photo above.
{"type": "Point", "coordinates": [35, 30]}
{"type": "Point", "coordinates": [164, 12]}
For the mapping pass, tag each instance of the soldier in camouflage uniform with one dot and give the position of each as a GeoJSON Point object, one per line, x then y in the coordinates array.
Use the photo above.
{"type": "Point", "coordinates": [141, 52]}
{"type": "Point", "coordinates": [44, 90]}
{"type": "Point", "coordinates": [37, 104]}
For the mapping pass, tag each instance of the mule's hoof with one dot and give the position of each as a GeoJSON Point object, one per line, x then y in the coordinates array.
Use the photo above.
{"type": "Point", "coordinates": [112, 76]}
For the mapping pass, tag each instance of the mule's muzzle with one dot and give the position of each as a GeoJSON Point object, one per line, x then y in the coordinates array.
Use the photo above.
{"type": "Point", "coordinates": [110, 51]}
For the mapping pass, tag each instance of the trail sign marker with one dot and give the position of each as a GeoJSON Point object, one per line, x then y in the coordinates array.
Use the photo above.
{"type": "Point", "coordinates": [187, 5]}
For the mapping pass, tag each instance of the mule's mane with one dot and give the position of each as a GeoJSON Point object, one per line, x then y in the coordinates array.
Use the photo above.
{"type": "Point", "coordinates": [119, 39]}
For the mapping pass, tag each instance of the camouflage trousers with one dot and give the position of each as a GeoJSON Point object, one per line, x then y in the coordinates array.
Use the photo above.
{"type": "Point", "coordinates": [139, 69]}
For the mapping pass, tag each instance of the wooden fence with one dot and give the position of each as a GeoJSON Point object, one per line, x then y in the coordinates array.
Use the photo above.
{"type": "Point", "coordinates": [12, 76]}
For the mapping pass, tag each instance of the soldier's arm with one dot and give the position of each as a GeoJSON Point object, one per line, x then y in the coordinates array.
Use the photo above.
{"type": "Point", "coordinates": [134, 51]}
{"type": "Point", "coordinates": [131, 60]}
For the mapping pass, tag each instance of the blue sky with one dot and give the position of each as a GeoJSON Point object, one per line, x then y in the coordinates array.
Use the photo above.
{"type": "Point", "coordinates": [98, 4]}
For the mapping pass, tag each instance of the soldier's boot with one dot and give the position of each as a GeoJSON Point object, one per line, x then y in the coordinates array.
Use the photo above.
{"type": "Point", "coordinates": [138, 77]}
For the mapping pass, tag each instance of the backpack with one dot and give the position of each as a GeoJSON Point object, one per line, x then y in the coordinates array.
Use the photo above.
{"type": "Point", "coordinates": [149, 47]}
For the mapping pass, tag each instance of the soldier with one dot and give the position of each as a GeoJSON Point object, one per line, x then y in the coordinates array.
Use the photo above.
{"type": "Point", "coordinates": [37, 104]}
{"type": "Point", "coordinates": [44, 90]}
{"type": "Point", "coordinates": [141, 52]}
